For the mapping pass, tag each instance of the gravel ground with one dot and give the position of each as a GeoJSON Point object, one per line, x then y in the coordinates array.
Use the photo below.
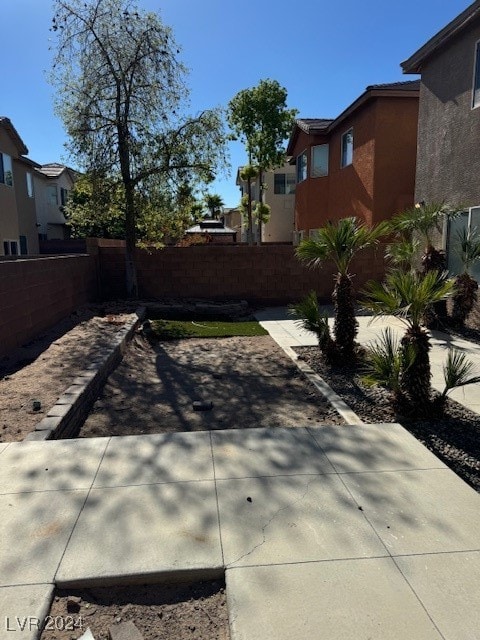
{"type": "Point", "coordinates": [455, 439]}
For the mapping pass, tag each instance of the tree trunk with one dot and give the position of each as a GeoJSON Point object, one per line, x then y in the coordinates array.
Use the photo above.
{"type": "Point", "coordinates": [260, 199]}
{"type": "Point", "coordinates": [416, 377]}
{"type": "Point", "coordinates": [464, 298]}
{"type": "Point", "coordinates": [249, 213]}
{"type": "Point", "coordinates": [345, 327]}
{"type": "Point", "coordinates": [130, 267]}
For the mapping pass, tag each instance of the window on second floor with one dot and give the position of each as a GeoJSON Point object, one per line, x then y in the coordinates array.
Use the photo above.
{"type": "Point", "coordinates": [302, 167]}
{"type": "Point", "coordinates": [6, 172]}
{"type": "Point", "coordinates": [284, 184]}
{"type": "Point", "coordinates": [52, 194]}
{"type": "Point", "coordinates": [476, 77]}
{"type": "Point", "coordinates": [29, 184]}
{"type": "Point", "coordinates": [63, 196]}
{"type": "Point", "coordinates": [347, 148]}
{"type": "Point", "coordinates": [319, 166]}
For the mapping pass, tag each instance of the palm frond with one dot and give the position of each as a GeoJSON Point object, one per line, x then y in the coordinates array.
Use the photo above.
{"type": "Point", "coordinates": [406, 294]}
{"type": "Point", "coordinates": [457, 371]}
{"type": "Point", "coordinates": [339, 242]}
{"type": "Point", "coordinates": [468, 247]}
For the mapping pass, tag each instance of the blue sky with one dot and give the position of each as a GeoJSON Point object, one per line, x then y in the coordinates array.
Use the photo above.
{"type": "Point", "coordinates": [324, 53]}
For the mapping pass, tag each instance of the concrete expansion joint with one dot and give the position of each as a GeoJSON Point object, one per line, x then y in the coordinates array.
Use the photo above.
{"type": "Point", "coordinates": [71, 409]}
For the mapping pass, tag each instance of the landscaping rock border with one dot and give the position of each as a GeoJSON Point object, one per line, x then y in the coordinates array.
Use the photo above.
{"type": "Point", "coordinates": [65, 418]}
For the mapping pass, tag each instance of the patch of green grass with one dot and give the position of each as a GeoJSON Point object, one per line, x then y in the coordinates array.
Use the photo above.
{"type": "Point", "coordinates": [176, 329]}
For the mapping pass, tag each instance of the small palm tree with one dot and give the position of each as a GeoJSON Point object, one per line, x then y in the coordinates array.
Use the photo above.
{"type": "Point", "coordinates": [312, 319]}
{"type": "Point", "coordinates": [341, 242]}
{"type": "Point", "coordinates": [407, 295]}
{"type": "Point", "coordinates": [466, 287]}
{"type": "Point", "coordinates": [457, 372]}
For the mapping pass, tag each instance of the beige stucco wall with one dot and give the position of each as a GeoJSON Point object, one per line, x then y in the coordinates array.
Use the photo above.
{"type": "Point", "coordinates": [49, 215]}
{"type": "Point", "coordinates": [8, 204]}
{"type": "Point", "coordinates": [27, 221]}
{"type": "Point", "coordinates": [281, 224]}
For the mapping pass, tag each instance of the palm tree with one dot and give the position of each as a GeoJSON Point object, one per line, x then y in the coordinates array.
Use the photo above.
{"type": "Point", "coordinates": [214, 204]}
{"type": "Point", "coordinates": [407, 295]}
{"type": "Point", "coordinates": [341, 242]}
{"type": "Point", "coordinates": [311, 318]}
{"type": "Point", "coordinates": [421, 223]}
{"type": "Point", "coordinates": [466, 287]}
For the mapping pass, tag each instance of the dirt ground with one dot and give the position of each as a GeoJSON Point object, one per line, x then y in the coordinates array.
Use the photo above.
{"type": "Point", "coordinates": [166, 612]}
{"type": "Point", "coordinates": [250, 381]}
{"type": "Point", "coordinates": [45, 367]}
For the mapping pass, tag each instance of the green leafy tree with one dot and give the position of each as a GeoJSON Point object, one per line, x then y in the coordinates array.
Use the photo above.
{"type": "Point", "coordinates": [247, 174]}
{"type": "Point", "coordinates": [121, 93]}
{"type": "Point", "coordinates": [260, 118]}
{"type": "Point", "coordinates": [341, 242]}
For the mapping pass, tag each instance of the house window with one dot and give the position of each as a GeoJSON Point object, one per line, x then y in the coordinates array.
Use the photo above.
{"type": "Point", "coordinates": [6, 173]}
{"type": "Point", "coordinates": [284, 184]}
{"type": "Point", "coordinates": [63, 196]}
{"type": "Point", "coordinates": [476, 77]}
{"type": "Point", "coordinates": [302, 167]}
{"type": "Point", "coordinates": [10, 248]}
{"type": "Point", "coordinates": [347, 148]}
{"type": "Point", "coordinates": [23, 245]}
{"type": "Point", "coordinates": [29, 184]}
{"type": "Point", "coordinates": [319, 166]}
{"type": "Point", "coordinates": [466, 221]}
{"type": "Point", "coordinates": [52, 194]}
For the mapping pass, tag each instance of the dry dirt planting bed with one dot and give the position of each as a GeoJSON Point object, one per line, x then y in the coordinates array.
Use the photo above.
{"type": "Point", "coordinates": [159, 612]}
{"type": "Point", "coordinates": [250, 382]}
{"type": "Point", "coordinates": [45, 367]}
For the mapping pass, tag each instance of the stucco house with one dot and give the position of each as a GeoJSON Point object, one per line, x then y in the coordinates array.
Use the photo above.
{"type": "Point", "coordinates": [53, 183]}
{"type": "Point", "coordinates": [361, 163]}
{"type": "Point", "coordinates": [18, 230]}
{"type": "Point", "coordinates": [448, 159]}
{"type": "Point", "coordinates": [279, 194]}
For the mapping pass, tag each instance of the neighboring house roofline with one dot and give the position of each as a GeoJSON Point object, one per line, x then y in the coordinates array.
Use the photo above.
{"type": "Point", "coordinates": [312, 126]}
{"type": "Point", "coordinates": [415, 63]}
{"type": "Point", "coordinates": [31, 163]}
{"type": "Point", "coordinates": [54, 170]}
{"type": "Point", "coordinates": [14, 135]}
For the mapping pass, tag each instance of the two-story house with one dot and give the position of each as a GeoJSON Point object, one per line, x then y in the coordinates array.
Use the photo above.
{"type": "Point", "coordinates": [448, 158]}
{"type": "Point", "coordinates": [18, 230]}
{"type": "Point", "coordinates": [279, 194]}
{"type": "Point", "coordinates": [54, 182]}
{"type": "Point", "coordinates": [361, 163]}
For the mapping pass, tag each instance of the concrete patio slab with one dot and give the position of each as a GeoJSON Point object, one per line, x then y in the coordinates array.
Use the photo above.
{"type": "Point", "coordinates": [373, 447]}
{"type": "Point", "coordinates": [50, 465]}
{"type": "Point", "coordinates": [292, 519]}
{"type": "Point", "coordinates": [341, 600]}
{"type": "Point", "coordinates": [447, 584]}
{"type": "Point", "coordinates": [3, 446]}
{"type": "Point", "coordinates": [23, 610]}
{"type": "Point", "coordinates": [163, 457]}
{"type": "Point", "coordinates": [148, 532]}
{"type": "Point", "coordinates": [267, 452]}
{"type": "Point", "coordinates": [416, 512]}
{"type": "Point", "coordinates": [34, 530]}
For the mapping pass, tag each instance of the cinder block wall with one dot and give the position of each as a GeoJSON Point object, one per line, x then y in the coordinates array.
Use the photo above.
{"type": "Point", "coordinates": [37, 293]}
{"type": "Point", "coordinates": [265, 274]}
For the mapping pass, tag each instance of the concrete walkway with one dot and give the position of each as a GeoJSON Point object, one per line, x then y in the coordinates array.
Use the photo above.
{"type": "Point", "coordinates": [332, 532]}
{"type": "Point", "coordinates": [285, 331]}
{"type": "Point", "coordinates": [335, 532]}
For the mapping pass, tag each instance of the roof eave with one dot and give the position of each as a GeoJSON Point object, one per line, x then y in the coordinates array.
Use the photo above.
{"type": "Point", "coordinates": [415, 62]}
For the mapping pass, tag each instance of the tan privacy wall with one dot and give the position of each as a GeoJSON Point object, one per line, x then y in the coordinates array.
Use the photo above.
{"type": "Point", "coordinates": [37, 293]}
